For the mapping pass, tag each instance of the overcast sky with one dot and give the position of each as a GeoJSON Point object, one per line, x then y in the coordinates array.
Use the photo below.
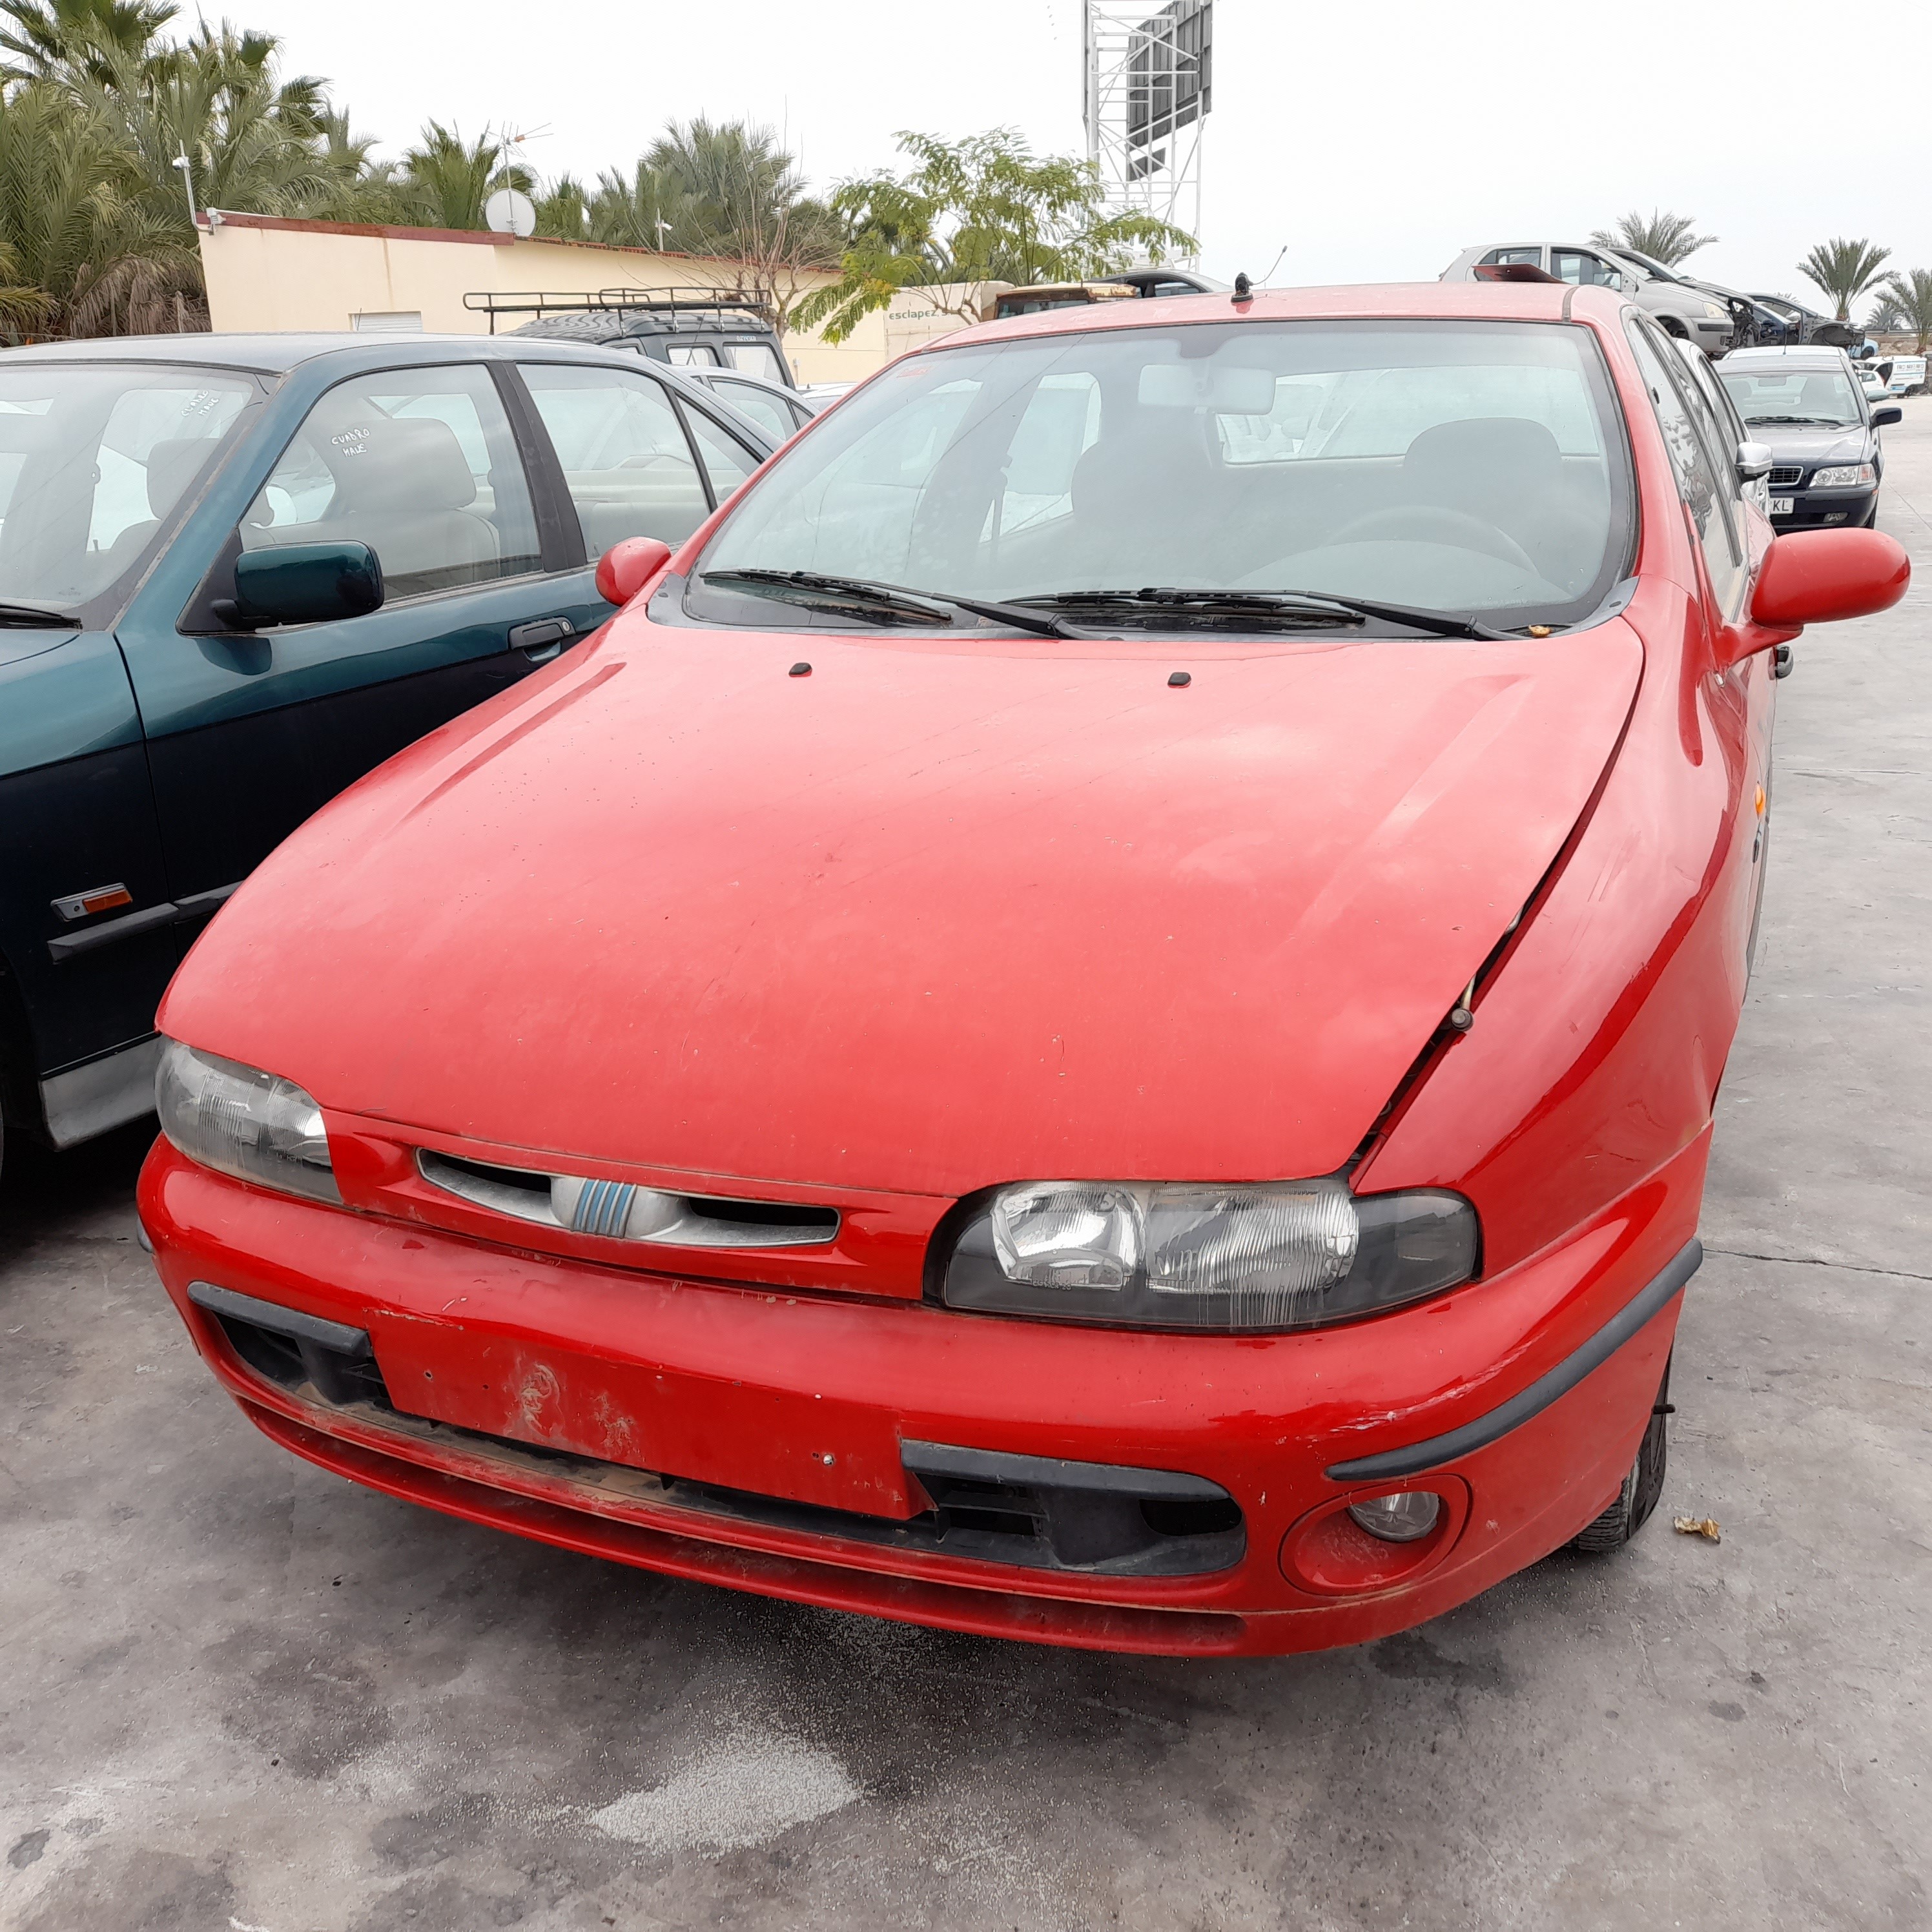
{"type": "Point", "coordinates": [1374, 142]}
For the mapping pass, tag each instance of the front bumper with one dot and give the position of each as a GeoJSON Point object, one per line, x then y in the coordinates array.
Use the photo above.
{"type": "Point", "coordinates": [1824, 509]}
{"type": "Point", "coordinates": [782, 1442]}
{"type": "Point", "coordinates": [1713, 334]}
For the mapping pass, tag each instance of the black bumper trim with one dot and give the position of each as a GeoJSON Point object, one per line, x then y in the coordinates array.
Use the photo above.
{"type": "Point", "coordinates": [352, 1343]}
{"type": "Point", "coordinates": [1050, 1472]}
{"type": "Point", "coordinates": [131, 925]}
{"type": "Point", "coordinates": [1539, 1394]}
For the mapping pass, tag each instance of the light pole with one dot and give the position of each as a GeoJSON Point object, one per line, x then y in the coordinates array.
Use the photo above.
{"type": "Point", "coordinates": [187, 167]}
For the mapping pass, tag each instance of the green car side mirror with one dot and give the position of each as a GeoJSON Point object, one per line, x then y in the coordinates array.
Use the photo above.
{"type": "Point", "coordinates": [305, 583]}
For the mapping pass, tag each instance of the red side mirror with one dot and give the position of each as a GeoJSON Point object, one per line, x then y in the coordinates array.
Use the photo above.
{"type": "Point", "coordinates": [626, 568]}
{"type": "Point", "coordinates": [1816, 577]}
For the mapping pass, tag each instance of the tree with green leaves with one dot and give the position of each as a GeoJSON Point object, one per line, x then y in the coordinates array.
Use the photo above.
{"type": "Point", "coordinates": [1663, 237]}
{"type": "Point", "coordinates": [1845, 271]}
{"type": "Point", "coordinates": [71, 40]}
{"type": "Point", "coordinates": [984, 209]}
{"type": "Point", "coordinates": [445, 180]}
{"type": "Point", "coordinates": [1906, 305]}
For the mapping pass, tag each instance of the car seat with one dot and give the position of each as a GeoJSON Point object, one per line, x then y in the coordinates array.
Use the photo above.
{"type": "Point", "coordinates": [1508, 472]}
{"type": "Point", "coordinates": [403, 487]}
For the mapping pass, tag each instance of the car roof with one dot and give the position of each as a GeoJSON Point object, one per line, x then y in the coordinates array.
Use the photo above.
{"type": "Point", "coordinates": [1492, 302]}
{"type": "Point", "coordinates": [1801, 357]}
{"type": "Point", "coordinates": [276, 354]}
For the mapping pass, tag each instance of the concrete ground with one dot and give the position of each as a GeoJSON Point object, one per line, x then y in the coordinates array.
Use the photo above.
{"type": "Point", "coordinates": [239, 1695]}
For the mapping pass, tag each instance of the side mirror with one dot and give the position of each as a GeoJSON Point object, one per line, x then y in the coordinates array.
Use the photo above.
{"type": "Point", "coordinates": [1888, 413]}
{"type": "Point", "coordinates": [306, 583]}
{"type": "Point", "coordinates": [1818, 577]}
{"type": "Point", "coordinates": [1754, 461]}
{"type": "Point", "coordinates": [626, 568]}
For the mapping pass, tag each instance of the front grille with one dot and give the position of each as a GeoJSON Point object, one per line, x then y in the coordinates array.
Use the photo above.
{"type": "Point", "coordinates": [1786, 475]}
{"type": "Point", "coordinates": [620, 1210]}
{"type": "Point", "coordinates": [1023, 1509]}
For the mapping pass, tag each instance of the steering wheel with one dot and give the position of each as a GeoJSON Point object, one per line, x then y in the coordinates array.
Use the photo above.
{"type": "Point", "coordinates": [1427, 522]}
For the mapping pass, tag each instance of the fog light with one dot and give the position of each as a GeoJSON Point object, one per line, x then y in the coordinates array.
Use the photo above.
{"type": "Point", "coordinates": [1407, 1516]}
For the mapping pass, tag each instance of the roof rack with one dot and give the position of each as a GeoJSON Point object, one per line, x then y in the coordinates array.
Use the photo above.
{"type": "Point", "coordinates": [675, 305]}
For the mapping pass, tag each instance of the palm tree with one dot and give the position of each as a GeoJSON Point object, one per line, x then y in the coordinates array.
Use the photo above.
{"type": "Point", "coordinates": [1844, 270]}
{"type": "Point", "coordinates": [1664, 238]}
{"type": "Point", "coordinates": [74, 40]}
{"type": "Point", "coordinates": [1908, 297]}
{"type": "Point", "coordinates": [445, 180]}
{"type": "Point", "coordinates": [650, 210]}
{"type": "Point", "coordinates": [88, 256]}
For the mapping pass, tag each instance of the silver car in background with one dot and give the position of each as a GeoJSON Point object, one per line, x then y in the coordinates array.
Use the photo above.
{"type": "Point", "coordinates": [1685, 310]}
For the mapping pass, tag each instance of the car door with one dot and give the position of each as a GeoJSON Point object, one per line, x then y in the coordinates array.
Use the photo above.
{"type": "Point", "coordinates": [1738, 704]}
{"type": "Point", "coordinates": [631, 458]}
{"type": "Point", "coordinates": [250, 731]}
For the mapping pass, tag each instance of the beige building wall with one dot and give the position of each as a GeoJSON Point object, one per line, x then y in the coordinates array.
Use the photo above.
{"type": "Point", "coordinates": [264, 273]}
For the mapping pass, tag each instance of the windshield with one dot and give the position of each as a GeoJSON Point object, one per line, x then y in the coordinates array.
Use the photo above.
{"type": "Point", "coordinates": [1468, 466]}
{"type": "Point", "coordinates": [1650, 265]}
{"type": "Point", "coordinates": [1800, 396]}
{"type": "Point", "coordinates": [93, 456]}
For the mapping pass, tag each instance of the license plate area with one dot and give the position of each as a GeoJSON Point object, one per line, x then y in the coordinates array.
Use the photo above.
{"type": "Point", "coordinates": [1780, 506]}
{"type": "Point", "coordinates": [733, 1434]}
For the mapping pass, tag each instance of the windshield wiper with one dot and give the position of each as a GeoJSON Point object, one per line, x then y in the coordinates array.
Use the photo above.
{"type": "Point", "coordinates": [883, 603]}
{"type": "Point", "coordinates": [1810, 422]}
{"type": "Point", "coordinates": [1310, 608]}
{"type": "Point", "coordinates": [26, 614]}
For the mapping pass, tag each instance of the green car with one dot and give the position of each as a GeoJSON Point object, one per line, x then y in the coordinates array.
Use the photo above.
{"type": "Point", "coordinates": [236, 573]}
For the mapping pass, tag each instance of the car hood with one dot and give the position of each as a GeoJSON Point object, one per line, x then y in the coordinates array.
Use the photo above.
{"type": "Point", "coordinates": [933, 916]}
{"type": "Point", "coordinates": [1790, 442]}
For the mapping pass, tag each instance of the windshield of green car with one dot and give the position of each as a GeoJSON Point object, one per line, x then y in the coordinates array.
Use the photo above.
{"type": "Point", "coordinates": [1471, 466]}
{"type": "Point", "coordinates": [93, 457]}
{"type": "Point", "coordinates": [1798, 397]}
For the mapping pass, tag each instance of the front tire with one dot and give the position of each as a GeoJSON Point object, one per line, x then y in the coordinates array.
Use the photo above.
{"type": "Point", "coordinates": [1642, 1486]}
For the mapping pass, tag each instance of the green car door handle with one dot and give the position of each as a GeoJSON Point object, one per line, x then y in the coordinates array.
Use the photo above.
{"type": "Point", "coordinates": [542, 638]}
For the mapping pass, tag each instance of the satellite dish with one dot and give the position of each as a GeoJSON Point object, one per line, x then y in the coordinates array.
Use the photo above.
{"type": "Point", "coordinates": [507, 212]}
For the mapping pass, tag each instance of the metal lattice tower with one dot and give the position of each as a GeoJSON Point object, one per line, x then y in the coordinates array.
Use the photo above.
{"type": "Point", "coordinates": [1149, 84]}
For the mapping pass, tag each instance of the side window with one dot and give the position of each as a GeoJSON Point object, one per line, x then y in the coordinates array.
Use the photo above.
{"type": "Point", "coordinates": [1061, 422]}
{"type": "Point", "coordinates": [1579, 266]}
{"type": "Point", "coordinates": [626, 460]}
{"type": "Point", "coordinates": [757, 358]}
{"type": "Point", "coordinates": [771, 415]}
{"type": "Point", "coordinates": [1530, 257]}
{"type": "Point", "coordinates": [421, 465]}
{"type": "Point", "coordinates": [694, 356]}
{"type": "Point", "coordinates": [726, 461]}
{"type": "Point", "coordinates": [1710, 493]}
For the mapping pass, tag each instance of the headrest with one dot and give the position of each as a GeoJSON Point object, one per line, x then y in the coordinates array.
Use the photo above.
{"type": "Point", "coordinates": [1142, 464]}
{"type": "Point", "coordinates": [1821, 396]}
{"type": "Point", "coordinates": [1509, 457]}
{"type": "Point", "coordinates": [173, 464]}
{"type": "Point", "coordinates": [397, 463]}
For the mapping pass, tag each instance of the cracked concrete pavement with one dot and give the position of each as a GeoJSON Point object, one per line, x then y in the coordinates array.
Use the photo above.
{"type": "Point", "coordinates": [239, 1695]}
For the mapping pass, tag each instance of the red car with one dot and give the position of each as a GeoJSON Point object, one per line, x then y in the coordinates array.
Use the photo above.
{"type": "Point", "coordinates": [1094, 1017]}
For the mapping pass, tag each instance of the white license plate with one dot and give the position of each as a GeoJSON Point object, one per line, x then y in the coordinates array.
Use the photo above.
{"type": "Point", "coordinates": [1780, 506]}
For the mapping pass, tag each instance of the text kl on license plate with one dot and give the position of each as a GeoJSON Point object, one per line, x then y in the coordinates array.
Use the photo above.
{"type": "Point", "coordinates": [1780, 506]}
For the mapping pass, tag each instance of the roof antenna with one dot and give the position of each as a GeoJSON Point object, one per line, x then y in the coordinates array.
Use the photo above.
{"type": "Point", "coordinates": [1272, 265]}
{"type": "Point", "coordinates": [1244, 289]}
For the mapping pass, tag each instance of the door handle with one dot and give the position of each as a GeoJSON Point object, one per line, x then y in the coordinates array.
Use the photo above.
{"type": "Point", "coordinates": [542, 638]}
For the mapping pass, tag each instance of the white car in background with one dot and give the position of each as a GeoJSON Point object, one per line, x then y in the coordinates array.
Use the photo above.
{"type": "Point", "coordinates": [1685, 310]}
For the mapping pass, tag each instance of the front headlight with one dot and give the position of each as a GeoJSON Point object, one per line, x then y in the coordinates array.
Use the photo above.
{"type": "Point", "coordinates": [1271, 1256]}
{"type": "Point", "coordinates": [241, 1121]}
{"type": "Point", "coordinates": [1716, 309]}
{"type": "Point", "coordinates": [1844, 476]}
